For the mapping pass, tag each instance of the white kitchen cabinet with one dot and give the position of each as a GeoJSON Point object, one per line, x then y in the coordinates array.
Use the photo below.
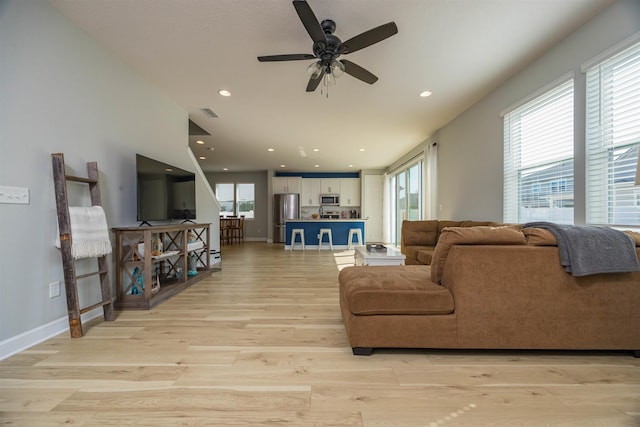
{"type": "Point", "coordinates": [350, 192]}
{"type": "Point", "coordinates": [330, 186]}
{"type": "Point", "coordinates": [310, 192]}
{"type": "Point", "coordinates": [287, 184]}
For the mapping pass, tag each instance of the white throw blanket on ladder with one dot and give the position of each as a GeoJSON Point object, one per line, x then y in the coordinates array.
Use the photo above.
{"type": "Point", "coordinates": [89, 232]}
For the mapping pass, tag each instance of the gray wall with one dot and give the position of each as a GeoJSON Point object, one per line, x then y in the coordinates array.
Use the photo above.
{"type": "Point", "coordinates": [470, 147]}
{"type": "Point", "coordinates": [62, 92]}
{"type": "Point", "coordinates": [258, 228]}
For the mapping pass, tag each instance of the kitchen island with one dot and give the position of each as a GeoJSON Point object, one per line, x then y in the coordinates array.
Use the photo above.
{"type": "Point", "coordinates": [339, 230]}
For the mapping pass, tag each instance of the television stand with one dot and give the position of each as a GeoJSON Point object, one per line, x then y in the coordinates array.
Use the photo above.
{"type": "Point", "coordinates": [145, 279]}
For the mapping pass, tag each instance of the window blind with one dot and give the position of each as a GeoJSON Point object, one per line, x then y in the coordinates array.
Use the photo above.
{"type": "Point", "coordinates": [613, 139]}
{"type": "Point", "coordinates": [538, 158]}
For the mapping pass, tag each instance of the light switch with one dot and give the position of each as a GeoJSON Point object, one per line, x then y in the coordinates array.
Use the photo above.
{"type": "Point", "coordinates": [14, 195]}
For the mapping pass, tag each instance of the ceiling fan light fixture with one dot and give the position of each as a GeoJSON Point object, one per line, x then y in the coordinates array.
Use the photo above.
{"type": "Point", "coordinates": [314, 69]}
{"type": "Point", "coordinates": [329, 79]}
{"type": "Point", "coordinates": [337, 68]}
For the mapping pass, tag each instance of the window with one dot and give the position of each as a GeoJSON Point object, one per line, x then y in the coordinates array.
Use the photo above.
{"type": "Point", "coordinates": [538, 157]}
{"type": "Point", "coordinates": [613, 139]}
{"type": "Point", "coordinates": [245, 200]}
{"type": "Point", "coordinates": [236, 199]}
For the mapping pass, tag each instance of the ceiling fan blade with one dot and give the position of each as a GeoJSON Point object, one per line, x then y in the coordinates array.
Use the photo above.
{"type": "Point", "coordinates": [358, 72]}
{"type": "Point", "coordinates": [291, 57]}
{"type": "Point", "coordinates": [309, 21]}
{"type": "Point", "coordinates": [368, 38]}
{"type": "Point", "coordinates": [313, 83]}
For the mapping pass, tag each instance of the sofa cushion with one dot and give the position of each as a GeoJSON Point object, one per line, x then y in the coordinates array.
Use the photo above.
{"type": "Point", "coordinates": [539, 237]}
{"type": "Point", "coordinates": [419, 233]}
{"type": "Point", "coordinates": [446, 223]}
{"type": "Point", "coordinates": [405, 289]}
{"type": "Point", "coordinates": [481, 235]}
{"type": "Point", "coordinates": [425, 256]}
{"type": "Point", "coordinates": [411, 252]}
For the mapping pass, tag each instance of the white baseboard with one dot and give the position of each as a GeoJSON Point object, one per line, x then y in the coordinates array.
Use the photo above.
{"type": "Point", "coordinates": [21, 342]}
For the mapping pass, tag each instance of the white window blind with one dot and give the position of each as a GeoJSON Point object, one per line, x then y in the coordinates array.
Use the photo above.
{"type": "Point", "coordinates": [613, 139]}
{"type": "Point", "coordinates": [538, 158]}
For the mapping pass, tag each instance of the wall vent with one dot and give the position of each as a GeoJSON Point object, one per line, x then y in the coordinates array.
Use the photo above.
{"type": "Point", "coordinates": [209, 112]}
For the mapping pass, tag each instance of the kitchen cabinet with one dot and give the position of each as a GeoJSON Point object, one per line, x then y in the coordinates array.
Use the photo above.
{"type": "Point", "coordinates": [350, 192]}
{"type": "Point", "coordinates": [287, 184]}
{"type": "Point", "coordinates": [330, 186]}
{"type": "Point", "coordinates": [310, 192]}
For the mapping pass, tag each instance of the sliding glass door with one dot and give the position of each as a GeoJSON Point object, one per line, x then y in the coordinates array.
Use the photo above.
{"type": "Point", "coordinates": [406, 197]}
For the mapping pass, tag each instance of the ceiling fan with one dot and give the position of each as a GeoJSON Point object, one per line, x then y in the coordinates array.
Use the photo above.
{"type": "Point", "coordinates": [327, 48]}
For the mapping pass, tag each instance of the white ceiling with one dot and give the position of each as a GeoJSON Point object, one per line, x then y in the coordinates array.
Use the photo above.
{"type": "Point", "coordinates": [458, 49]}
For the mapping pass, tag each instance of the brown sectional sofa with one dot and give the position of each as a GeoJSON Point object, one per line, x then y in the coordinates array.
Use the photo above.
{"type": "Point", "coordinates": [490, 288]}
{"type": "Point", "coordinates": [418, 239]}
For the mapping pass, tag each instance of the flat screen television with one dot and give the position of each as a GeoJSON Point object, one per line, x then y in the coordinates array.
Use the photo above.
{"type": "Point", "coordinates": [164, 192]}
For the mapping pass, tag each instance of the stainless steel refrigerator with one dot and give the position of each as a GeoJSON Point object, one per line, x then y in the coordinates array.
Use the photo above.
{"type": "Point", "coordinates": [285, 206]}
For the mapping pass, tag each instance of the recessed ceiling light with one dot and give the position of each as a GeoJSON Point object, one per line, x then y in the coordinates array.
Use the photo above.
{"type": "Point", "coordinates": [200, 142]}
{"type": "Point", "coordinates": [316, 149]}
{"type": "Point", "coordinates": [425, 93]}
{"type": "Point", "coordinates": [362, 149]}
{"type": "Point", "coordinates": [211, 148]}
{"type": "Point", "coordinates": [281, 166]}
{"type": "Point", "coordinates": [169, 170]}
{"type": "Point", "coordinates": [225, 169]}
{"type": "Point", "coordinates": [271, 149]}
{"type": "Point", "coordinates": [316, 166]}
{"type": "Point", "coordinates": [202, 158]}
{"type": "Point", "coordinates": [350, 166]}
{"type": "Point", "coordinates": [224, 92]}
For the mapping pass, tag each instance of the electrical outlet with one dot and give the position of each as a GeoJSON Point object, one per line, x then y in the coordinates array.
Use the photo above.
{"type": "Point", "coordinates": [14, 195]}
{"type": "Point", "coordinates": [54, 289]}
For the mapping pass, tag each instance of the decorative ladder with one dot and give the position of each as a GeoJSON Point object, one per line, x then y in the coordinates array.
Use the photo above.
{"type": "Point", "coordinates": [74, 311]}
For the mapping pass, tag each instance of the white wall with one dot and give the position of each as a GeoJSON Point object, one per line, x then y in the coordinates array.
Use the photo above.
{"type": "Point", "coordinates": [61, 92]}
{"type": "Point", "coordinates": [470, 147]}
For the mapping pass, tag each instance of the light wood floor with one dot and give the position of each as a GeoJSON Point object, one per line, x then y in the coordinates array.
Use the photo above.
{"type": "Point", "coordinates": [262, 343]}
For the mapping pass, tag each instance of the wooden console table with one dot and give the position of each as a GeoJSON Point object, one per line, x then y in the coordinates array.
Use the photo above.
{"type": "Point", "coordinates": [143, 279]}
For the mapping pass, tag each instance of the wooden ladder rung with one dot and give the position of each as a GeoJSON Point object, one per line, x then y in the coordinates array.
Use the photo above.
{"type": "Point", "coordinates": [84, 276]}
{"type": "Point", "coordinates": [74, 311]}
{"type": "Point", "coordinates": [81, 179]}
{"type": "Point", "coordinates": [96, 305]}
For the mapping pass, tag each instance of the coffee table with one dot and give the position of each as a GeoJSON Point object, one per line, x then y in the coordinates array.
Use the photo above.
{"type": "Point", "coordinates": [386, 256]}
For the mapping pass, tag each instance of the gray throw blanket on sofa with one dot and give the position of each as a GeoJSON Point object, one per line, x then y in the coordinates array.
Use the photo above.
{"type": "Point", "coordinates": [586, 250]}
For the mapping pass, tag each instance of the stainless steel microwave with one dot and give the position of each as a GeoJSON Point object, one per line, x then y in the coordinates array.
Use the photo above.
{"type": "Point", "coordinates": [329, 200]}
